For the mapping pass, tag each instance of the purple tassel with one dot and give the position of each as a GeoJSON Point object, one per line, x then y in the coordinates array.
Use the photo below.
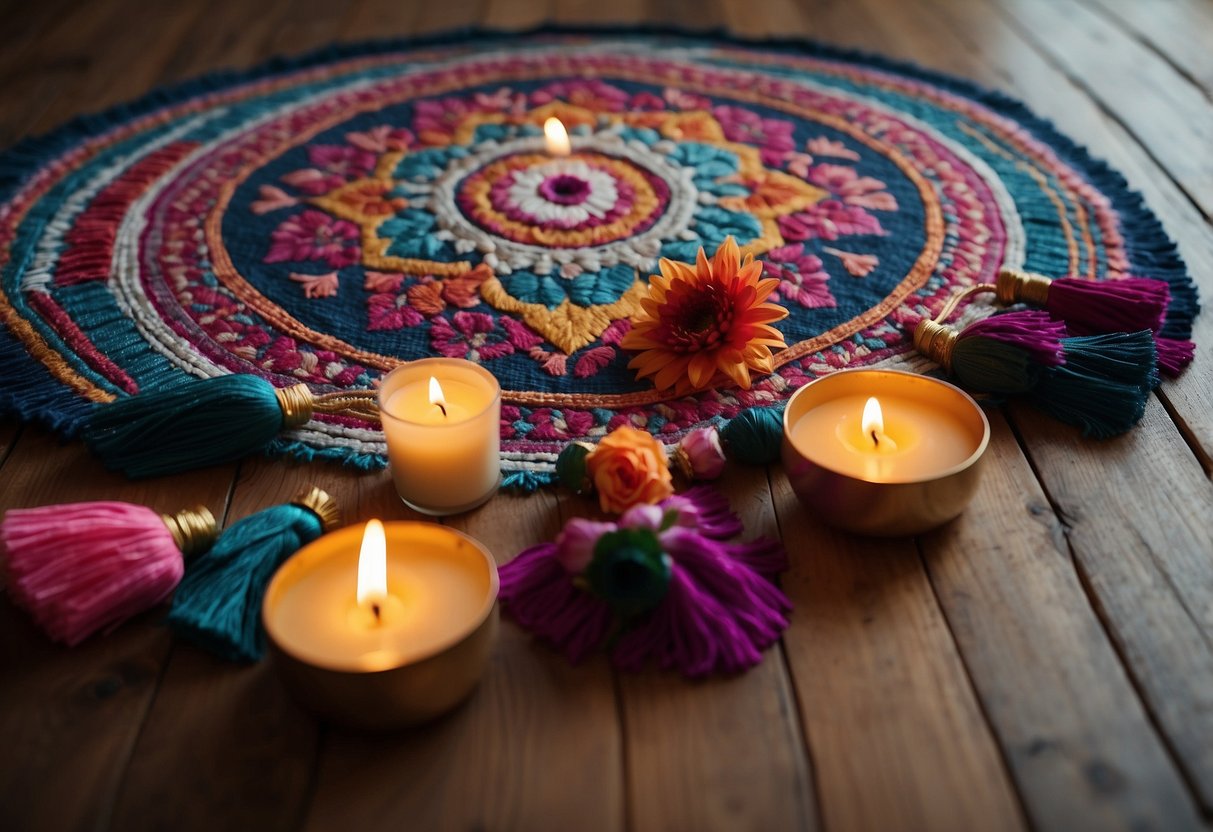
{"type": "Point", "coordinates": [540, 596]}
{"type": "Point", "coordinates": [1034, 332]}
{"type": "Point", "coordinates": [1173, 355]}
{"type": "Point", "coordinates": [717, 614]}
{"type": "Point", "coordinates": [1089, 307]}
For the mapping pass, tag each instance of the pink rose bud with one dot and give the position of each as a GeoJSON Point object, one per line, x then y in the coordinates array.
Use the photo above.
{"type": "Point", "coordinates": [699, 455]}
{"type": "Point", "coordinates": [642, 516]}
{"type": "Point", "coordinates": [575, 544]}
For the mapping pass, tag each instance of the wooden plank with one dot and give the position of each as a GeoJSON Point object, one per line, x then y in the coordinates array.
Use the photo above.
{"type": "Point", "coordinates": [595, 12]}
{"type": "Point", "coordinates": [1165, 111]}
{"type": "Point", "coordinates": [723, 753]}
{"type": "Point", "coordinates": [112, 76]}
{"type": "Point", "coordinates": [1073, 731]}
{"type": "Point", "coordinates": [1168, 27]}
{"type": "Point", "coordinates": [235, 36]}
{"type": "Point", "coordinates": [895, 732]}
{"type": "Point", "coordinates": [1159, 664]}
{"type": "Point", "coordinates": [69, 717]}
{"type": "Point", "coordinates": [10, 430]}
{"type": "Point", "coordinates": [381, 19]}
{"type": "Point", "coordinates": [509, 14]}
{"type": "Point", "coordinates": [1136, 510]}
{"type": "Point", "coordinates": [536, 747]}
{"type": "Point", "coordinates": [224, 738]}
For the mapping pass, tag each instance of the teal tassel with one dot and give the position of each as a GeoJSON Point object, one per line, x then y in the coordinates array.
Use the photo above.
{"type": "Point", "coordinates": [218, 603]}
{"type": "Point", "coordinates": [754, 436]}
{"type": "Point", "coordinates": [1104, 385]}
{"type": "Point", "coordinates": [204, 422]}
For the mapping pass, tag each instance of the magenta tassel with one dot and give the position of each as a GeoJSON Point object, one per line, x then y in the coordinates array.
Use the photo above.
{"type": "Point", "coordinates": [1089, 307]}
{"type": "Point", "coordinates": [1034, 332]}
{"type": "Point", "coordinates": [85, 567]}
{"type": "Point", "coordinates": [1173, 355]}
{"type": "Point", "coordinates": [719, 612]}
{"type": "Point", "coordinates": [540, 596]}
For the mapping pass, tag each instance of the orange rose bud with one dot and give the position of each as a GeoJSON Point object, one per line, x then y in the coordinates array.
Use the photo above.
{"type": "Point", "coordinates": [628, 467]}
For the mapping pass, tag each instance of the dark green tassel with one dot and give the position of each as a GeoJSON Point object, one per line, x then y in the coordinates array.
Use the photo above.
{"type": "Point", "coordinates": [204, 422]}
{"type": "Point", "coordinates": [754, 436]}
{"type": "Point", "coordinates": [218, 603]}
{"type": "Point", "coordinates": [1104, 385]}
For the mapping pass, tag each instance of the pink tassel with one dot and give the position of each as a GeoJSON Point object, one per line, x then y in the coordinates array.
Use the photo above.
{"type": "Point", "coordinates": [85, 567]}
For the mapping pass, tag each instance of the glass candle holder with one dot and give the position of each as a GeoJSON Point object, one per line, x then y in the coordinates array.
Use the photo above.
{"type": "Point", "coordinates": [444, 455]}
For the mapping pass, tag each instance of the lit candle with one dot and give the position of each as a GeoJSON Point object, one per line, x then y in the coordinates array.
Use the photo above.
{"type": "Point", "coordinates": [441, 421]}
{"type": "Point", "coordinates": [389, 632]}
{"type": "Point", "coordinates": [883, 452]}
{"type": "Point", "coordinates": [556, 137]}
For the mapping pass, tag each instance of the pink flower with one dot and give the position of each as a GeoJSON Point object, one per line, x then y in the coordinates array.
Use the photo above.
{"type": "Point", "coordinates": [591, 94]}
{"type": "Point", "coordinates": [317, 285]}
{"type": "Point", "coordinates": [435, 120]}
{"type": "Point", "coordinates": [821, 146]}
{"type": "Point", "coordinates": [802, 276]}
{"type": "Point", "coordinates": [469, 335]}
{"type": "Point", "coordinates": [385, 311]}
{"type": "Point", "coordinates": [828, 220]}
{"type": "Point", "coordinates": [333, 165]}
{"type": "Point", "coordinates": [646, 102]}
{"type": "Point", "coordinates": [344, 161]}
{"type": "Point", "coordinates": [844, 182]}
{"type": "Point", "coordinates": [772, 136]}
{"type": "Point", "coordinates": [680, 100]}
{"type": "Point", "coordinates": [314, 235]}
{"type": "Point", "coordinates": [643, 516]}
{"type": "Point", "coordinates": [699, 455]}
{"type": "Point", "coordinates": [381, 139]}
{"type": "Point", "coordinates": [575, 544]}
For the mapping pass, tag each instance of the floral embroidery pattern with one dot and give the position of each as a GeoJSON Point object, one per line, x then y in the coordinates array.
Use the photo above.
{"type": "Point", "coordinates": [464, 209]}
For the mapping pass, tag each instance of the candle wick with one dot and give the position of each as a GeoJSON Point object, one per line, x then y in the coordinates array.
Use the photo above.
{"type": "Point", "coordinates": [376, 611]}
{"type": "Point", "coordinates": [875, 439]}
{"type": "Point", "coordinates": [441, 407]}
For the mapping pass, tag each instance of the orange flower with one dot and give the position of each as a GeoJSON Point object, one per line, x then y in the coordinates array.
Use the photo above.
{"type": "Point", "coordinates": [628, 467]}
{"type": "Point", "coordinates": [701, 327]}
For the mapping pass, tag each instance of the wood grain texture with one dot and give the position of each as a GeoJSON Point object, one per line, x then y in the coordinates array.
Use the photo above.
{"type": "Point", "coordinates": [69, 717]}
{"type": "Point", "coordinates": [718, 755]}
{"type": "Point", "coordinates": [223, 737]}
{"type": "Point", "coordinates": [1046, 660]}
{"type": "Point", "coordinates": [536, 747]}
{"type": "Point", "coordinates": [895, 733]}
{"type": "Point", "coordinates": [1164, 110]}
{"type": "Point", "coordinates": [1075, 736]}
{"type": "Point", "coordinates": [1166, 26]}
{"type": "Point", "coordinates": [1147, 566]}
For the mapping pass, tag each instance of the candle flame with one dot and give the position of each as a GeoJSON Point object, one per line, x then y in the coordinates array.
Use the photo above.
{"type": "Point", "coordinates": [436, 396]}
{"type": "Point", "coordinates": [556, 137]}
{"type": "Point", "coordinates": [372, 566]}
{"type": "Point", "coordinates": [873, 420]}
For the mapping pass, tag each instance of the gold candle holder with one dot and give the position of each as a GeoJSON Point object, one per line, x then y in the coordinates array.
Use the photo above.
{"type": "Point", "coordinates": [422, 658]}
{"type": "Point", "coordinates": [917, 471]}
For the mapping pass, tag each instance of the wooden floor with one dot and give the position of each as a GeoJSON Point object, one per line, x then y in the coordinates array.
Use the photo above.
{"type": "Point", "coordinates": [1046, 661]}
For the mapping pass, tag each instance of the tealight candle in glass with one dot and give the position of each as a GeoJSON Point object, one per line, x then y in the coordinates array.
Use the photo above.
{"type": "Point", "coordinates": [442, 424]}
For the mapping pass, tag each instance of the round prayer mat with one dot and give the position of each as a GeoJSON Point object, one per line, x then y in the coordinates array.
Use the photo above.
{"type": "Point", "coordinates": [323, 220]}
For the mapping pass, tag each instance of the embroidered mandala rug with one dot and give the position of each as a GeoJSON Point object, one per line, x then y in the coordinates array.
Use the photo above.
{"type": "Point", "coordinates": [323, 220]}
